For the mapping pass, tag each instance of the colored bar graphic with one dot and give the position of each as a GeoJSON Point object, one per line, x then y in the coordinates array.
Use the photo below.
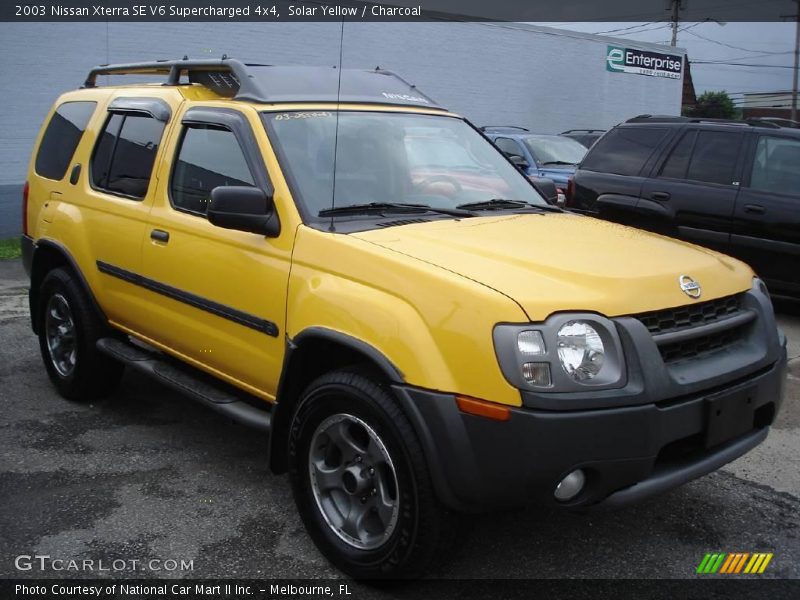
{"type": "Point", "coordinates": [734, 562]}
{"type": "Point", "coordinates": [718, 564]}
{"type": "Point", "coordinates": [740, 564]}
{"type": "Point", "coordinates": [702, 567]}
{"type": "Point", "coordinates": [728, 563]}
{"type": "Point", "coordinates": [764, 564]}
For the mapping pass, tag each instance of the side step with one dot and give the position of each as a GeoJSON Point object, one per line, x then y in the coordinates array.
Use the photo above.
{"type": "Point", "coordinates": [188, 381]}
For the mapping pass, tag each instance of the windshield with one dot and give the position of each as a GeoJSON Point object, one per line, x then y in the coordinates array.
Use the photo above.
{"type": "Point", "coordinates": [384, 157]}
{"type": "Point", "coordinates": [555, 149]}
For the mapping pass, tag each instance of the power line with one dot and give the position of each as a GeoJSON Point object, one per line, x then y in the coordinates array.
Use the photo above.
{"type": "Point", "coordinates": [702, 37]}
{"type": "Point", "coordinates": [738, 64]}
{"type": "Point", "coordinates": [657, 24]}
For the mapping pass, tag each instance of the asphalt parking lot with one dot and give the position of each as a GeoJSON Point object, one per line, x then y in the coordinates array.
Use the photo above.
{"type": "Point", "coordinates": [147, 474]}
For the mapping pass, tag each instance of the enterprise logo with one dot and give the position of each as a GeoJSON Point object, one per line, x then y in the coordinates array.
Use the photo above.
{"type": "Point", "coordinates": [642, 62]}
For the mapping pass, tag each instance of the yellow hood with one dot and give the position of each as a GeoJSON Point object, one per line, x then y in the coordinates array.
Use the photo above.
{"type": "Point", "coordinates": [554, 262]}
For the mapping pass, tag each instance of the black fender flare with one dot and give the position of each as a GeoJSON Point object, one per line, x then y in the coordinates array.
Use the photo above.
{"type": "Point", "coordinates": [288, 394]}
{"type": "Point", "coordinates": [37, 277]}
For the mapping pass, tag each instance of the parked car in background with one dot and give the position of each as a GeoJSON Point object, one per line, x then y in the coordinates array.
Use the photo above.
{"type": "Point", "coordinates": [733, 186]}
{"type": "Point", "coordinates": [539, 155]}
{"type": "Point", "coordinates": [776, 121]}
{"type": "Point", "coordinates": [587, 137]}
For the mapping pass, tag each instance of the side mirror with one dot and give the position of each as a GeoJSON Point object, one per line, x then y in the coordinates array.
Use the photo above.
{"type": "Point", "coordinates": [518, 160]}
{"type": "Point", "coordinates": [243, 209]}
{"type": "Point", "coordinates": [547, 188]}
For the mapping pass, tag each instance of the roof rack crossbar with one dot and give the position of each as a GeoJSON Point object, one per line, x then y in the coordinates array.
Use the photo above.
{"type": "Point", "coordinates": [173, 69]}
{"type": "Point", "coordinates": [674, 119]}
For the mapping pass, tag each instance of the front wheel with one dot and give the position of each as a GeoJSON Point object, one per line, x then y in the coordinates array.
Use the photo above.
{"type": "Point", "coordinates": [360, 480]}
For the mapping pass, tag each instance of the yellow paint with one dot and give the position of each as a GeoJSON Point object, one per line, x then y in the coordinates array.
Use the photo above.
{"type": "Point", "coordinates": [426, 296]}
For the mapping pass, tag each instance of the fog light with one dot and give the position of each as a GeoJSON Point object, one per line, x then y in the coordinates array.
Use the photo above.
{"type": "Point", "coordinates": [570, 486]}
{"type": "Point", "coordinates": [537, 374]}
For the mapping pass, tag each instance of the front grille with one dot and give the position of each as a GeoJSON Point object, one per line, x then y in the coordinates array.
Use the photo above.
{"type": "Point", "coordinates": [691, 315]}
{"type": "Point", "coordinates": [699, 346]}
{"type": "Point", "coordinates": [687, 317]}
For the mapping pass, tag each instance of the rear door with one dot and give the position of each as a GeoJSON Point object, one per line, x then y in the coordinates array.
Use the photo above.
{"type": "Point", "coordinates": [692, 193]}
{"type": "Point", "coordinates": [766, 222]}
{"type": "Point", "coordinates": [116, 186]}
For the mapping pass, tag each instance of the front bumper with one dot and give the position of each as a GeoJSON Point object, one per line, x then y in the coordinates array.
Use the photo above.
{"type": "Point", "coordinates": [628, 453]}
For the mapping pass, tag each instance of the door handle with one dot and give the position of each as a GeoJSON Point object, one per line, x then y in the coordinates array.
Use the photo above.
{"type": "Point", "coordinates": [660, 196]}
{"type": "Point", "coordinates": [159, 235]}
{"type": "Point", "coordinates": [75, 174]}
{"type": "Point", "coordinates": [755, 209]}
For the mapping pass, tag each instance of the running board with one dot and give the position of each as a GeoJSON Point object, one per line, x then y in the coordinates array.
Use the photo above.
{"type": "Point", "coordinates": [188, 381]}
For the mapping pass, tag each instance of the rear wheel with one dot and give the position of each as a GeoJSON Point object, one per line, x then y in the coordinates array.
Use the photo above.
{"type": "Point", "coordinates": [361, 482]}
{"type": "Point", "coordinates": [68, 331]}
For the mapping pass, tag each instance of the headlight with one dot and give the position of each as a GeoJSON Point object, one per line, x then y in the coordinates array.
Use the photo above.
{"type": "Point", "coordinates": [569, 352]}
{"type": "Point", "coordinates": [580, 350]}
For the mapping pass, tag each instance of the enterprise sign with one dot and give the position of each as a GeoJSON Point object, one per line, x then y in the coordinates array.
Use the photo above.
{"type": "Point", "coordinates": [641, 62]}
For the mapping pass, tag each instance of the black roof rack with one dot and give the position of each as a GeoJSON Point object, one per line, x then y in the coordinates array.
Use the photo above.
{"type": "Point", "coordinates": [267, 84]}
{"type": "Point", "coordinates": [502, 127]}
{"type": "Point", "coordinates": [674, 119]}
{"type": "Point", "coordinates": [582, 131]}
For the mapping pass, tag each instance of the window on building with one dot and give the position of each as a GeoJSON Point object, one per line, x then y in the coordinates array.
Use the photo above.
{"type": "Point", "coordinates": [623, 150]}
{"type": "Point", "coordinates": [776, 167]}
{"type": "Point", "coordinates": [208, 157]}
{"type": "Point", "coordinates": [61, 138]}
{"type": "Point", "coordinates": [124, 155]}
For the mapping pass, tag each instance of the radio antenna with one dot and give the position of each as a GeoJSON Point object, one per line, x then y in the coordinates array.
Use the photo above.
{"type": "Point", "coordinates": [336, 131]}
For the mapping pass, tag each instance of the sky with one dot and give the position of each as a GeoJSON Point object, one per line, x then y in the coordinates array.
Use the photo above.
{"type": "Point", "coordinates": [760, 44]}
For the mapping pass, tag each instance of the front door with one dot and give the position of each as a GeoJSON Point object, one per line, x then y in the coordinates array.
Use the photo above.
{"type": "Point", "coordinates": [217, 297]}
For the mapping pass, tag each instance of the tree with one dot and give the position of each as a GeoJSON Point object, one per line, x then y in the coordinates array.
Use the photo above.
{"type": "Point", "coordinates": [713, 105]}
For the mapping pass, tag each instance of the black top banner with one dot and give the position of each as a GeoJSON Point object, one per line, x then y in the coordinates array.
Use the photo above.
{"type": "Point", "coordinates": [394, 10]}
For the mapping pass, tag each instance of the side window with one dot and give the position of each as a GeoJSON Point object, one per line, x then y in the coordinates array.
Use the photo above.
{"type": "Point", "coordinates": [714, 157]}
{"type": "Point", "coordinates": [508, 146]}
{"type": "Point", "coordinates": [678, 161]}
{"type": "Point", "coordinates": [61, 138]}
{"type": "Point", "coordinates": [776, 167]}
{"type": "Point", "coordinates": [623, 150]}
{"type": "Point", "coordinates": [208, 157]}
{"type": "Point", "coordinates": [124, 154]}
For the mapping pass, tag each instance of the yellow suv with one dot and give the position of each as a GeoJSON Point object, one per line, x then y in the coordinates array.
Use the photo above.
{"type": "Point", "coordinates": [330, 256]}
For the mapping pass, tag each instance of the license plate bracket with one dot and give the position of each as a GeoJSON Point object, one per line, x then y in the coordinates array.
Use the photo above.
{"type": "Point", "coordinates": [729, 415]}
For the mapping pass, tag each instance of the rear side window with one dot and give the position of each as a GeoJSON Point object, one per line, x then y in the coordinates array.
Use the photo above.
{"type": "Point", "coordinates": [209, 156]}
{"type": "Point", "coordinates": [623, 150]}
{"type": "Point", "coordinates": [61, 138]}
{"type": "Point", "coordinates": [508, 146]}
{"type": "Point", "coordinates": [714, 157]}
{"type": "Point", "coordinates": [776, 167]}
{"type": "Point", "coordinates": [125, 153]}
{"type": "Point", "coordinates": [678, 162]}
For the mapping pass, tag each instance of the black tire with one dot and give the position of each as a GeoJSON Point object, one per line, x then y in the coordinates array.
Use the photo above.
{"type": "Point", "coordinates": [86, 374]}
{"type": "Point", "coordinates": [423, 528]}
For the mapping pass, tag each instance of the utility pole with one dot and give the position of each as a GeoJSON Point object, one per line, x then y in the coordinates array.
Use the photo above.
{"type": "Point", "coordinates": [675, 6]}
{"type": "Point", "coordinates": [796, 60]}
{"type": "Point", "coordinates": [796, 18]}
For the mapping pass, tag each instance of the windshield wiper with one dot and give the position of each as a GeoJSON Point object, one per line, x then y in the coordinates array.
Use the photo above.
{"type": "Point", "coordinates": [503, 203]}
{"type": "Point", "coordinates": [559, 162]}
{"type": "Point", "coordinates": [381, 207]}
